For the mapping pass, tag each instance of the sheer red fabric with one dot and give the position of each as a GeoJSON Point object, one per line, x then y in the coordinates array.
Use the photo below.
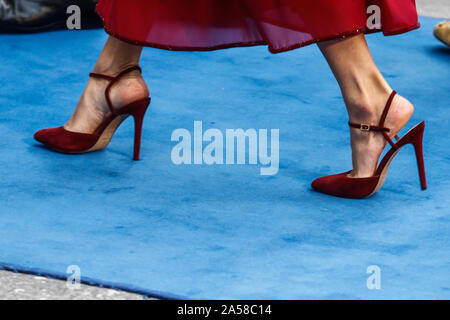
{"type": "Point", "coordinates": [281, 24]}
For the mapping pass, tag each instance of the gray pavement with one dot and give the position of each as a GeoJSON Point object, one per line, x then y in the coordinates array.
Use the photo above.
{"type": "Point", "coordinates": [16, 286]}
{"type": "Point", "coordinates": [434, 8]}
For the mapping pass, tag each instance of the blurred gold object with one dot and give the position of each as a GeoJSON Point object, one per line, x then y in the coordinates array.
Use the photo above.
{"type": "Point", "coordinates": [442, 32]}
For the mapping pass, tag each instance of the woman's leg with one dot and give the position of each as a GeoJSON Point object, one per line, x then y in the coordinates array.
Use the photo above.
{"type": "Point", "coordinates": [92, 107]}
{"type": "Point", "coordinates": [365, 93]}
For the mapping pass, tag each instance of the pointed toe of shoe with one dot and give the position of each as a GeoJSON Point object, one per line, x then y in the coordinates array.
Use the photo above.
{"type": "Point", "coordinates": [317, 184]}
{"type": "Point", "coordinates": [38, 136]}
{"type": "Point", "coordinates": [61, 140]}
{"type": "Point", "coordinates": [326, 184]}
{"type": "Point", "coordinates": [42, 136]}
{"type": "Point", "coordinates": [442, 32]}
{"type": "Point", "coordinates": [341, 185]}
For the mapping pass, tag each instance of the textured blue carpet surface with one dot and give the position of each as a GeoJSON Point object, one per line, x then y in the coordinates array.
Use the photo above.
{"type": "Point", "coordinates": [224, 231]}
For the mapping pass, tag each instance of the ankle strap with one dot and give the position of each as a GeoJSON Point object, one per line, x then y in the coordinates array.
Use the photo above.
{"type": "Point", "coordinates": [380, 127]}
{"type": "Point", "coordinates": [113, 80]}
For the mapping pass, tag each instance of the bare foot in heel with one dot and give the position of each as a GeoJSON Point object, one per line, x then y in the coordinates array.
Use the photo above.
{"type": "Point", "coordinates": [92, 107]}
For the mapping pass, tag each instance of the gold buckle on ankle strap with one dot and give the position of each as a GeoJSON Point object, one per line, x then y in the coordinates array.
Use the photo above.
{"type": "Point", "coordinates": [364, 127]}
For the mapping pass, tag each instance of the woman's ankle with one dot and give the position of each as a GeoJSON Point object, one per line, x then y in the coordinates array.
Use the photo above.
{"type": "Point", "coordinates": [112, 69]}
{"type": "Point", "coordinates": [368, 146]}
{"type": "Point", "coordinates": [117, 56]}
{"type": "Point", "coordinates": [130, 87]}
{"type": "Point", "coordinates": [366, 106]}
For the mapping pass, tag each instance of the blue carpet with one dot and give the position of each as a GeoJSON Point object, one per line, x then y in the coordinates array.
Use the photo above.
{"type": "Point", "coordinates": [224, 231]}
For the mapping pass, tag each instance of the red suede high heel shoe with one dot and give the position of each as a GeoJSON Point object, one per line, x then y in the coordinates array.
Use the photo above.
{"type": "Point", "coordinates": [341, 185]}
{"type": "Point", "coordinates": [64, 141]}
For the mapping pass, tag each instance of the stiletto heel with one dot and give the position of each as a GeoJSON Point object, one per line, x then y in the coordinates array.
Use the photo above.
{"type": "Point", "coordinates": [418, 148]}
{"type": "Point", "coordinates": [342, 185]}
{"type": "Point", "coordinates": [64, 141]}
{"type": "Point", "coordinates": [138, 114]}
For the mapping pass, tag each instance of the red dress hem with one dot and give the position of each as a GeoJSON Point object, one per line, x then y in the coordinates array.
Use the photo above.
{"type": "Point", "coordinates": [342, 35]}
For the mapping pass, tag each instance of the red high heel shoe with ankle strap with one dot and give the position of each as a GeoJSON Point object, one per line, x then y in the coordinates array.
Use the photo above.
{"type": "Point", "coordinates": [341, 185]}
{"type": "Point", "coordinates": [64, 141]}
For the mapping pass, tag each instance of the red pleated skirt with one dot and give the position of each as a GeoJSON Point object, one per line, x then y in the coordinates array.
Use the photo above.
{"type": "Point", "coordinates": [200, 25]}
